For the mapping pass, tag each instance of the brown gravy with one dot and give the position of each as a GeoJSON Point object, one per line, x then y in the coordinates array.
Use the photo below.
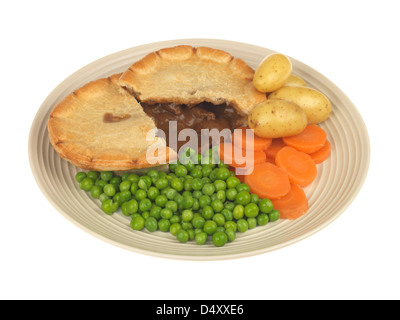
{"type": "Point", "coordinates": [202, 116]}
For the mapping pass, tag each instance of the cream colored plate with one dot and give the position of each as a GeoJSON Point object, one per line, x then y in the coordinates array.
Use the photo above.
{"type": "Point", "coordinates": [339, 178]}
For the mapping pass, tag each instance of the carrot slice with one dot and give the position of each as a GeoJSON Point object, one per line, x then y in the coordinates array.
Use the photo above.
{"type": "Point", "coordinates": [258, 143]}
{"type": "Point", "coordinates": [299, 166]}
{"type": "Point", "coordinates": [293, 205]}
{"type": "Point", "coordinates": [322, 154]}
{"type": "Point", "coordinates": [276, 145]}
{"type": "Point", "coordinates": [239, 158]}
{"type": "Point", "coordinates": [310, 140]}
{"type": "Point", "coordinates": [268, 181]}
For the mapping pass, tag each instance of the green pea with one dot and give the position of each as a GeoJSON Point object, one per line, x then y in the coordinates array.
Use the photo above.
{"type": "Point", "coordinates": [210, 227]}
{"type": "Point", "coordinates": [219, 238]}
{"type": "Point", "coordinates": [254, 198]}
{"type": "Point", "coordinates": [208, 189]}
{"type": "Point", "coordinates": [213, 174]}
{"type": "Point", "coordinates": [151, 224]}
{"type": "Point", "coordinates": [231, 194]}
{"type": "Point", "coordinates": [200, 238]}
{"type": "Point", "coordinates": [145, 215]}
{"type": "Point", "coordinates": [155, 212]}
{"type": "Point", "coordinates": [265, 205]}
{"type": "Point", "coordinates": [153, 193]}
{"type": "Point", "coordinates": [230, 225]}
{"type": "Point", "coordinates": [172, 166]}
{"type": "Point", "coordinates": [197, 194]}
{"type": "Point", "coordinates": [161, 200]}
{"type": "Point", "coordinates": [170, 193]}
{"type": "Point", "coordinates": [177, 184]}
{"type": "Point", "coordinates": [163, 225]}
{"type": "Point", "coordinates": [117, 197]}
{"type": "Point", "coordinates": [204, 201]}
{"type": "Point", "coordinates": [187, 215]}
{"type": "Point", "coordinates": [94, 175]}
{"type": "Point", "coordinates": [208, 212]}
{"type": "Point", "coordinates": [86, 184]}
{"type": "Point", "coordinates": [179, 200]}
{"type": "Point", "coordinates": [172, 205]}
{"type": "Point", "coordinates": [161, 183]}
{"type": "Point", "coordinates": [219, 219]}
{"type": "Point", "coordinates": [103, 197]}
{"type": "Point", "coordinates": [140, 195]}
{"type": "Point", "coordinates": [110, 190]}
{"type": "Point", "coordinates": [242, 225]}
{"type": "Point", "coordinates": [125, 185]}
{"type": "Point", "coordinates": [145, 205]}
{"type": "Point", "coordinates": [274, 215]}
{"type": "Point", "coordinates": [198, 222]}
{"type": "Point", "coordinates": [166, 213]}
{"type": "Point", "coordinates": [221, 195]}
{"type": "Point", "coordinates": [188, 202]}
{"type": "Point", "coordinates": [106, 175]}
{"type": "Point", "coordinates": [137, 223]}
{"type": "Point", "coordinates": [132, 206]}
{"type": "Point", "coordinates": [252, 222]}
{"type": "Point", "coordinates": [196, 184]}
{"type": "Point", "coordinates": [187, 184]}
{"type": "Point", "coordinates": [186, 193]}
{"type": "Point", "coordinates": [205, 180]}
{"type": "Point", "coordinates": [232, 182]}
{"type": "Point", "coordinates": [206, 170]}
{"type": "Point", "coordinates": [231, 234]}
{"type": "Point", "coordinates": [133, 178]}
{"type": "Point", "coordinates": [116, 180]}
{"type": "Point", "coordinates": [125, 196]}
{"type": "Point", "coordinates": [196, 204]}
{"type": "Point", "coordinates": [186, 225]}
{"type": "Point", "coordinates": [238, 212]}
{"type": "Point", "coordinates": [223, 173]}
{"type": "Point", "coordinates": [262, 219]}
{"type": "Point", "coordinates": [124, 209]}
{"type": "Point", "coordinates": [196, 173]}
{"type": "Point", "coordinates": [134, 187]}
{"type": "Point", "coordinates": [144, 182]}
{"type": "Point", "coordinates": [101, 183]}
{"type": "Point", "coordinates": [174, 228]}
{"type": "Point", "coordinates": [228, 214]}
{"type": "Point", "coordinates": [243, 197]}
{"type": "Point", "coordinates": [125, 176]}
{"type": "Point", "coordinates": [109, 206]}
{"type": "Point", "coordinates": [251, 210]}
{"type": "Point", "coordinates": [182, 236]}
{"type": "Point", "coordinates": [243, 187]}
{"type": "Point", "coordinates": [96, 191]}
{"type": "Point", "coordinates": [181, 171]}
{"type": "Point", "coordinates": [175, 219]}
{"type": "Point", "coordinates": [229, 205]}
{"type": "Point", "coordinates": [190, 233]}
{"type": "Point", "coordinates": [80, 176]}
{"type": "Point", "coordinates": [217, 205]}
{"type": "Point", "coordinates": [152, 173]}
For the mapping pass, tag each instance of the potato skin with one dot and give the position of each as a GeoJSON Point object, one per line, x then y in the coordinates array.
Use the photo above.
{"type": "Point", "coordinates": [272, 73]}
{"type": "Point", "coordinates": [295, 80]}
{"type": "Point", "coordinates": [314, 103]}
{"type": "Point", "coordinates": [277, 118]}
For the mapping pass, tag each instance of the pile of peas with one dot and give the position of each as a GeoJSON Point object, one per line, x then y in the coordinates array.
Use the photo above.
{"type": "Point", "coordinates": [200, 198]}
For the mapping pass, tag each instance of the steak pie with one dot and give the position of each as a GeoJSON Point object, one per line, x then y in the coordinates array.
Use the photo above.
{"type": "Point", "coordinates": [109, 124]}
{"type": "Point", "coordinates": [102, 127]}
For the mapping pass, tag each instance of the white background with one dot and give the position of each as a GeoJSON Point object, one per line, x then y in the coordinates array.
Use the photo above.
{"type": "Point", "coordinates": [353, 43]}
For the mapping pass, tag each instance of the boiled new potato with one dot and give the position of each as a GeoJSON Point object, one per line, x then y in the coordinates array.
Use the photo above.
{"type": "Point", "coordinates": [272, 72]}
{"type": "Point", "coordinates": [314, 103]}
{"type": "Point", "coordinates": [277, 118]}
{"type": "Point", "coordinates": [295, 80]}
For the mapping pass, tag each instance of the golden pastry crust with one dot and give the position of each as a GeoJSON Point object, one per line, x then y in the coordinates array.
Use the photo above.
{"type": "Point", "coordinates": [189, 75]}
{"type": "Point", "coordinates": [102, 127]}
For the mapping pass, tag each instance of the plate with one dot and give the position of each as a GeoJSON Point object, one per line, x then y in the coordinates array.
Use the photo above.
{"type": "Point", "coordinates": [339, 179]}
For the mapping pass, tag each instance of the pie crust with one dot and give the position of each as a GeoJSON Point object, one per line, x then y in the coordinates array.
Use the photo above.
{"type": "Point", "coordinates": [189, 75]}
{"type": "Point", "coordinates": [102, 127]}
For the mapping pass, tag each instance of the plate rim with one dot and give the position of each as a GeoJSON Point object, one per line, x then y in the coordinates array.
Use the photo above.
{"type": "Point", "coordinates": [43, 110]}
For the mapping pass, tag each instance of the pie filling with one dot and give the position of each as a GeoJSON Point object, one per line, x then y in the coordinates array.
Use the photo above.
{"type": "Point", "coordinates": [201, 116]}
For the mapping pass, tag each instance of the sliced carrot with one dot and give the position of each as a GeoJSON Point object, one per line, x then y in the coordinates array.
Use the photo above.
{"type": "Point", "coordinates": [268, 181]}
{"type": "Point", "coordinates": [322, 154]}
{"type": "Point", "coordinates": [276, 145]}
{"type": "Point", "coordinates": [310, 140]}
{"type": "Point", "coordinates": [293, 205]}
{"type": "Point", "coordinates": [239, 158]}
{"type": "Point", "coordinates": [248, 141]}
{"type": "Point", "coordinates": [299, 166]}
